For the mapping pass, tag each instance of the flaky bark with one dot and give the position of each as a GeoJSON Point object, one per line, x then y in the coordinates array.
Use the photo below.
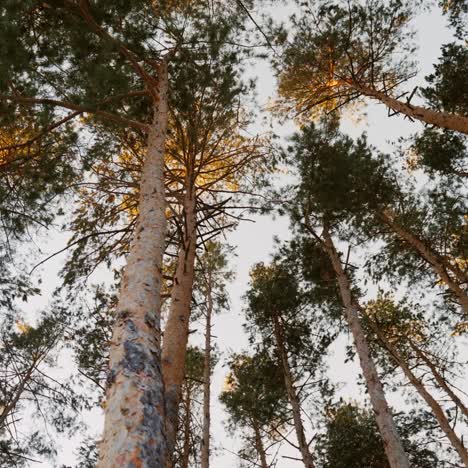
{"type": "Point", "coordinates": [259, 446]}
{"type": "Point", "coordinates": [134, 433]}
{"type": "Point", "coordinates": [440, 267]}
{"type": "Point", "coordinates": [440, 380]}
{"type": "Point", "coordinates": [292, 395]}
{"type": "Point", "coordinates": [426, 396]}
{"type": "Point", "coordinates": [177, 326]}
{"type": "Point", "coordinates": [446, 120]}
{"type": "Point", "coordinates": [392, 443]}
{"type": "Point", "coordinates": [205, 449]}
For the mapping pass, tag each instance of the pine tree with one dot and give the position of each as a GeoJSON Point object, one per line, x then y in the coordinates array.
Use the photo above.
{"type": "Point", "coordinates": [123, 82]}
{"type": "Point", "coordinates": [30, 394]}
{"type": "Point", "coordinates": [278, 311]}
{"type": "Point", "coordinates": [325, 203]}
{"type": "Point", "coordinates": [343, 51]}
{"type": "Point", "coordinates": [211, 295]}
{"type": "Point", "coordinates": [255, 399]}
{"type": "Point", "coordinates": [351, 439]}
{"type": "Point", "coordinates": [398, 330]}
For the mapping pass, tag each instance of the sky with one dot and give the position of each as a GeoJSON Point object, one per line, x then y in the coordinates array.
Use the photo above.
{"type": "Point", "coordinates": [254, 242]}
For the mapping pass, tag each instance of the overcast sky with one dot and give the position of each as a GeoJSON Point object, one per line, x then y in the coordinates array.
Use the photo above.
{"type": "Point", "coordinates": [254, 243]}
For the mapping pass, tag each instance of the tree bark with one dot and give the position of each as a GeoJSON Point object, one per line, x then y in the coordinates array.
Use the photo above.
{"type": "Point", "coordinates": [177, 326]}
{"type": "Point", "coordinates": [186, 448]}
{"type": "Point", "coordinates": [439, 266]}
{"type": "Point", "coordinates": [292, 395]}
{"type": "Point", "coordinates": [446, 120]}
{"type": "Point", "coordinates": [134, 432]}
{"type": "Point", "coordinates": [259, 446]}
{"type": "Point", "coordinates": [205, 449]}
{"type": "Point", "coordinates": [426, 396]}
{"type": "Point", "coordinates": [440, 380]}
{"type": "Point", "coordinates": [392, 443]}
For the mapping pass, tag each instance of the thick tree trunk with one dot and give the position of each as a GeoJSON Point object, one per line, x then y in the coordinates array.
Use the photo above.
{"type": "Point", "coordinates": [259, 446]}
{"type": "Point", "coordinates": [177, 325]}
{"type": "Point", "coordinates": [446, 120]}
{"type": "Point", "coordinates": [392, 443]}
{"type": "Point", "coordinates": [292, 395]}
{"type": "Point", "coordinates": [427, 397]}
{"type": "Point", "coordinates": [134, 433]}
{"type": "Point", "coordinates": [205, 449]}
{"type": "Point", "coordinates": [439, 266]}
{"type": "Point", "coordinates": [440, 380]}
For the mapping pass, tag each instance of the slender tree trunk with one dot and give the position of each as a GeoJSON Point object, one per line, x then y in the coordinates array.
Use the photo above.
{"type": "Point", "coordinates": [392, 443]}
{"type": "Point", "coordinates": [177, 326]}
{"type": "Point", "coordinates": [186, 448]}
{"type": "Point", "coordinates": [205, 449]}
{"type": "Point", "coordinates": [259, 446]}
{"type": "Point", "coordinates": [19, 391]}
{"type": "Point", "coordinates": [134, 433]}
{"type": "Point", "coordinates": [423, 114]}
{"type": "Point", "coordinates": [292, 395]}
{"type": "Point", "coordinates": [426, 396]}
{"type": "Point", "coordinates": [440, 380]}
{"type": "Point", "coordinates": [439, 266]}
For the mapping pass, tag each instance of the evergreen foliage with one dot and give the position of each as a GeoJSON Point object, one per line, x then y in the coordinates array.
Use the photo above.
{"type": "Point", "coordinates": [375, 253]}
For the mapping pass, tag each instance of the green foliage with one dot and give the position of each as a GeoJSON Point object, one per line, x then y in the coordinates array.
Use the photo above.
{"type": "Point", "coordinates": [36, 171]}
{"type": "Point", "coordinates": [441, 152]}
{"type": "Point", "coordinates": [340, 180]}
{"type": "Point", "coordinates": [212, 276]}
{"type": "Point", "coordinates": [90, 340]}
{"type": "Point", "coordinates": [338, 47]}
{"type": "Point", "coordinates": [316, 271]}
{"type": "Point", "coordinates": [448, 85]}
{"type": "Point", "coordinates": [30, 395]}
{"type": "Point", "coordinates": [457, 12]}
{"type": "Point", "coordinates": [352, 440]}
{"type": "Point", "coordinates": [349, 185]}
{"type": "Point", "coordinates": [254, 391]}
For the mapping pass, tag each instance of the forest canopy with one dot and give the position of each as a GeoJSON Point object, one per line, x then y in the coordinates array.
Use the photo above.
{"type": "Point", "coordinates": [233, 233]}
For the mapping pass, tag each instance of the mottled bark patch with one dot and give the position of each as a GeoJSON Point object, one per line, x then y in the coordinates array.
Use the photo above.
{"type": "Point", "coordinates": [122, 315]}
{"type": "Point", "coordinates": [110, 379]}
{"type": "Point", "coordinates": [153, 423]}
{"type": "Point", "coordinates": [150, 320]}
{"type": "Point", "coordinates": [136, 358]}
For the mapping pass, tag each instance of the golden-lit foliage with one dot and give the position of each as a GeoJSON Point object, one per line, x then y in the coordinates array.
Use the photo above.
{"type": "Point", "coordinates": [460, 329]}
{"type": "Point", "coordinates": [22, 327]}
{"type": "Point", "coordinates": [16, 144]}
{"type": "Point", "coordinates": [395, 322]}
{"type": "Point", "coordinates": [209, 159]}
{"type": "Point", "coordinates": [337, 53]}
{"type": "Point", "coordinates": [229, 383]}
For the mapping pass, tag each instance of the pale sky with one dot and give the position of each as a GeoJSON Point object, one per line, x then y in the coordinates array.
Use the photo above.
{"type": "Point", "coordinates": [254, 243]}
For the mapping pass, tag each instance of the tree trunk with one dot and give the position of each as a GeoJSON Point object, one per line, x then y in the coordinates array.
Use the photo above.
{"type": "Point", "coordinates": [392, 443]}
{"type": "Point", "coordinates": [439, 266]}
{"type": "Point", "coordinates": [292, 395]}
{"type": "Point", "coordinates": [439, 119]}
{"type": "Point", "coordinates": [19, 391]}
{"type": "Point", "coordinates": [259, 446]}
{"type": "Point", "coordinates": [177, 326]}
{"type": "Point", "coordinates": [205, 449]}
{"type": "Point", "coordinates": [134, 433]}
{"type": "Point", "coordinates": [440, 380]}
{"type": "Point", "coordinates": [427, 397]}
{"type": "Point", "coordinates": [186, 448]}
